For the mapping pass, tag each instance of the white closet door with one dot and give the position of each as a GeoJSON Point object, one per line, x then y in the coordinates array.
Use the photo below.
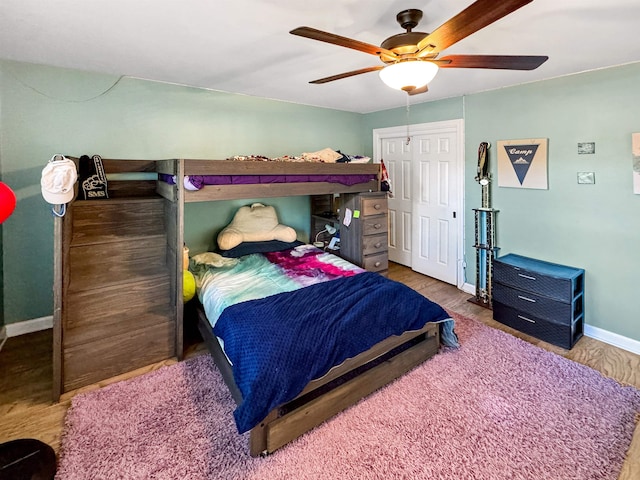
{"type": "Point", "coordinates": [435, 205]}
{"type": "Point", "coordinates": [397, 155]}
{"type": "Point", "coordinates": [425, 213]}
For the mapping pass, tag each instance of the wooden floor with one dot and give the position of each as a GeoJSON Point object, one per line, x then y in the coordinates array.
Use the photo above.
{"type": "Point", "coordinates": [26, 410]}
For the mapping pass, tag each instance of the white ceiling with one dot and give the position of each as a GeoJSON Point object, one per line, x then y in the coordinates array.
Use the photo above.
{"type": "Point", "coordinates": [243, 46]}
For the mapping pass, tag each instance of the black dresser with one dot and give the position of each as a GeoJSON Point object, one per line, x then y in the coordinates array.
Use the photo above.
{"type": "Point", "coordinates": [542, 299]}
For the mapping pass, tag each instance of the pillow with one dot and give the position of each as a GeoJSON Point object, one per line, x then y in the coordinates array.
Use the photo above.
{"type": "Point", "coordinates": [325, 155]}
{"type": "Point", "coordinates": [213, 260]}
{"type": "Point", "coordinates": [247, 248]}
{"type": "Point", "coordinates": [255, 223]}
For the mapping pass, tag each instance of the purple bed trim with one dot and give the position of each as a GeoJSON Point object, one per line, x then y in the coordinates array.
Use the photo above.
{"type": "Point", "coordinates": [199, 181]}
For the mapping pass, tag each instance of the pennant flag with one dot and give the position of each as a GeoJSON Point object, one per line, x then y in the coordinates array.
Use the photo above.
{"type": "Point", "coordinates": [521, 157]}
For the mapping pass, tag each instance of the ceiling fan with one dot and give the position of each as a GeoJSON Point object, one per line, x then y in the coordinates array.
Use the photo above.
{"type": "Point", "coordinates": [409, 52]}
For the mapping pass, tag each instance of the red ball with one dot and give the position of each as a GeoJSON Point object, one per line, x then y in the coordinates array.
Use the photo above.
{"type": "Point", "coordinates": [7, 202]}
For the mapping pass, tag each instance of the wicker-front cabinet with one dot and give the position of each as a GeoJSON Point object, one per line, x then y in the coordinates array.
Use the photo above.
{"type": "Point", "coordinates": [539, 298]}
{"type": "Point", "coordinates": [364, 236]}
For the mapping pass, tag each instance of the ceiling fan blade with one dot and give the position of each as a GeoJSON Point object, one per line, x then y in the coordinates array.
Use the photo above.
{"type": "Point", "coordinates": [334, 39]}
{"type": "Point", "coordinates": [473, 18]}
{"type": "Point", "coordinates": [506, 62]}
{"type": "Point", "coordinates": [417, 91]}
{"type": "Point", "coordinates": [347, 74]}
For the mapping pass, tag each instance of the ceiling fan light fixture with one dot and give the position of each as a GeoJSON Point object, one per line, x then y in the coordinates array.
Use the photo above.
{"type": "Point", "coordinates": [408, 75]}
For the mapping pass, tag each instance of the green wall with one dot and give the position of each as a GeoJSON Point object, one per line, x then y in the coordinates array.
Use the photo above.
{"type": "Point", "coordinates": [204, 220]}
{"type": "Point", "coordinates": [594, 227]}
{"type": "Point", "coordinates": [448, 109]}
{"type": "Point", "coordinates": [47, 110]}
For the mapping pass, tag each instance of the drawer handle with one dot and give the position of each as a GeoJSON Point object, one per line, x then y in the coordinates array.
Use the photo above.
{"type": "Point", "coordinates": [377, 264]}
{"type": "Point", "coordinates": [527, 299]}
{"type": "Point", "coordinates": [527, 319]}
{"type": "Point", "coordinates": [526, 276]}
{"type": "Point", "coordinates": [377, 206]}
{"type": "Point", "coordinates": [378, 245]}
{"type": "Point", "coordinates": [377, 225]}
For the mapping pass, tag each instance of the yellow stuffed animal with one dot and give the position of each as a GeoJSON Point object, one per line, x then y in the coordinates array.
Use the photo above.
{"type": "Point", "coordinates": [188, 286]}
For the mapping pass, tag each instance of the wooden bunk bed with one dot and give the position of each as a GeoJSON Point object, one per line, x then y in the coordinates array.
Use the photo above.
{"type": "Point", "coordinates": [323, 397]}
{"type": "Point", "coordinates": [344, 384]}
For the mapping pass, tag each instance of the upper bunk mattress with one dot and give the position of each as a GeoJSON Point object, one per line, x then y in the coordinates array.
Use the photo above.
{"type": "Point", "coordinates": [196, 182]}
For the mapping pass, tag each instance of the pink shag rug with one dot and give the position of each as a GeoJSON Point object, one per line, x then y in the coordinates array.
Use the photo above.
{"type": "Point", "coordinates": [496, 408]}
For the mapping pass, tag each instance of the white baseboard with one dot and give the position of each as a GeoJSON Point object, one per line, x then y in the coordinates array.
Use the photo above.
{"type": "Point", "coordinates": [29, 326]}
{"type": "Point", "coordinates": [468, 288]}
{"type": "Point", "coordinates": [3, 336]}
{"type": "Point", "coordinates": [625, 343]}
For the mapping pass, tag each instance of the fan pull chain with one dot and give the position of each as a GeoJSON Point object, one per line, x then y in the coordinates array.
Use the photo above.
{"type": "Point", "coordinates": [408, 111]}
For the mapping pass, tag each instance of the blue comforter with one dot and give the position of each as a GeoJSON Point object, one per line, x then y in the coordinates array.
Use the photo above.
{"type": "Point", "coordinates": [326, 323]}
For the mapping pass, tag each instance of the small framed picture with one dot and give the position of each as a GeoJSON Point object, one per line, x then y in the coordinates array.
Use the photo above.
{"type": "Point", "coordinates": [587, 177]}
{"type": "Point", "coordinates": [586, 148]}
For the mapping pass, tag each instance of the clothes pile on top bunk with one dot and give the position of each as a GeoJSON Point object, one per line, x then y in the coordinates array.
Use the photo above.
{"type": "Point", "coordinates": [326, 155]}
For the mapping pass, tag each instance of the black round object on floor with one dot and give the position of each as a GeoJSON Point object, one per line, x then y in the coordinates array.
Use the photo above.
{"type": "Point", "coordinates": [27, 459]}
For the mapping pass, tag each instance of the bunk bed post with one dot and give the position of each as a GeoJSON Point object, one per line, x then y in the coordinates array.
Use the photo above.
{"type": "Point", "coordinates": [62, 229]}
{"type": "Point", "coordinates": [57, 306]}
{"type": "Point", "coordinates": [179, 219]}
{"type": "Point", "coordinates": [173, 213]}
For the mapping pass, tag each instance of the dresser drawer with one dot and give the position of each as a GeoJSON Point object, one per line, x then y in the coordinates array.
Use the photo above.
{"type": "Point", "coordinates": [374, 224]}
{"type": "Point", "coordinates": [364, 240]}
{"type": "Point", "coordinates": [558, 288]}
{"type": "Point", "coordinates": [374, 205]}
{"type": "Point", "coordinates": [375, 244]}
{"type": "Point", "coordinates": [376, 263]}
{"type": "Point", "coordinates": [538, 305]}
{"type": "Point", "coordinates": [564, 336]}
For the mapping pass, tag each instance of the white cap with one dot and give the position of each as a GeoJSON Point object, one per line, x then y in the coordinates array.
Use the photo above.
{"type": "Point", "coordinates": [58, 179]}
